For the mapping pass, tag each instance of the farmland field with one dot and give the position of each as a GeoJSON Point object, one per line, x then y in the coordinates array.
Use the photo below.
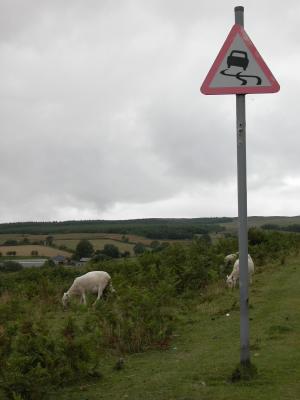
{"type": "Point", "coordinates": [70, 241]}
{"type": "Point", "coordinates": [26, 251]}
{"type": "Point", "coordinates": [98, 244]}
{"type": "Point", "coordinates": [73, 236]}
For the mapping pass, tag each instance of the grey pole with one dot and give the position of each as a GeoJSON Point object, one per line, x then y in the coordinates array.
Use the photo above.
{"type": "Point", "coordinates": [242, 211]}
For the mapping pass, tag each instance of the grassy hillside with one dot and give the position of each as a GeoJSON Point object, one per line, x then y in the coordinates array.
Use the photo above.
{"type": "Point", "coordinates": [259, 221]}
{"type": "Point", "coordinates": [279, 220]}
{"type": "Point", "coordinates": [205, 349]}
{"type": "Point", "coordinates": [168, 321]}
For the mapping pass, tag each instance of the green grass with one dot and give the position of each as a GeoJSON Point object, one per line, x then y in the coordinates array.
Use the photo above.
{"type": "Point", "coordinates": [205, 349]}
{"type": "Point", "coordinates": [98, 244]}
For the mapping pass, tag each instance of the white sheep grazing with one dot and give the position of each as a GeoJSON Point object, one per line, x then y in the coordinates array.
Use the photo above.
{"type": "Point", "coordinates": [93, 282]}
{"type": "Point", "coordinates": [235, 274]}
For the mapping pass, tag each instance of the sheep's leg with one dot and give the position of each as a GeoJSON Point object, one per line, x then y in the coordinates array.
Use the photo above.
{"type": "Point", "coordinates": [100, 291]}
{"type": "Point", "coordinates": [111, 288]}
{"type": "Point", "coordinates": [83, 299]}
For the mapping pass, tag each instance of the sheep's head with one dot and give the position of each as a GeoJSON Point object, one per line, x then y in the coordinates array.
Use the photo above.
{"type": "Point", "coordinates": [230, 259]}
{"type": "Point", "coordinates": [65, 299]}
{"type": "Point", "coordinates": [229, 281]}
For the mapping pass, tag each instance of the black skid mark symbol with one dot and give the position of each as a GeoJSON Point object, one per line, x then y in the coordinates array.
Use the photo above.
{"type": "Point", "coordinates": [244, 81]}
{"type": "Point", "coordinates": [240, 77]}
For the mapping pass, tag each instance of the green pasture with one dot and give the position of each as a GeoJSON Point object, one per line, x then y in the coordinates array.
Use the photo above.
{"type": "Point", "coordinates": [171, 330]}
{"type": "Point", "coordinates": [59, 236]}
{"type": "Point", "coordinates": [70, 241]}
{"type": "Point", "coordinates": [205, 349]}
{"type": "Point", "coordinates": [98, 244]}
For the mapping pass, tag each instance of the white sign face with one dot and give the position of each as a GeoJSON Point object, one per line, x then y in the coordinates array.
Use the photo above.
{"type": "Point", "coordinates": [239, 68]}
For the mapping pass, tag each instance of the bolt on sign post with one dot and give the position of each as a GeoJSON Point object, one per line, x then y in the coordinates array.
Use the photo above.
{"type": "Point", "coordinates": [239, 69]}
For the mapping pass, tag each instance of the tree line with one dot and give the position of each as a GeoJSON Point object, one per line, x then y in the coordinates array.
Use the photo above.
{"type": "Point", "coordinates": [153, 228]}
{"type": "Point", "coordinates": [286, 228]}
{"type": "Point", "coordinates": [85, 249]}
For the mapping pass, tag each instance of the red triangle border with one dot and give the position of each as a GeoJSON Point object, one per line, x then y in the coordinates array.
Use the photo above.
{"type": "Point", "coordinates": [239, 30]}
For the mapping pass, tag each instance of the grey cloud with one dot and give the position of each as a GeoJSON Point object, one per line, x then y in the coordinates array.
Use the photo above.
{"type": "Point", "coordinates": [101, 111]}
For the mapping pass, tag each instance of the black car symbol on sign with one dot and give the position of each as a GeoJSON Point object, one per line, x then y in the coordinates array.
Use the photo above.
{"type": "Point", "coordinates": [238, 58]}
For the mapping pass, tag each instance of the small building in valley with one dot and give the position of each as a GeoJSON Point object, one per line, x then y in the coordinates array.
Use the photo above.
{"type": "Point", "coordinates": [59, 260]}
{"type": "Point", "coordinates": [83, 261]}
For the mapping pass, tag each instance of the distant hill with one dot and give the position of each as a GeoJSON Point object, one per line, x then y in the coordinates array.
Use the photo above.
{"type": "Point", "coordinates": [280, 223]}
{"type": "Point", "coordinates": [152, 228]}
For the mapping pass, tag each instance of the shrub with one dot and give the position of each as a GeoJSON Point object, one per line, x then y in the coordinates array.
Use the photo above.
{"type": "Point", "coordinates": [111, 250]}
{"type": "Point", "coordinates": [49, 263]}
{"type": "Point", "coordinates": [38, 360]}
{"type": "Point", "coordinates": [84, 249]}
{"type": "Point", "coordinates": [256, 236]}
{"type": "Point", "coordinates": [26, 371]}
{"type": "Point", "coordinates": [137, 320]}
{"type": "Point", "coordinates": [10, 309]}
{"type": "Point", "coordinates": [10, 266]}
{"type": "Point", "coordinates": [11, 242]}
{"type": "Point", "coordinates": [141, 315]}
{"type": "Point", "coordinates": [139, 248]}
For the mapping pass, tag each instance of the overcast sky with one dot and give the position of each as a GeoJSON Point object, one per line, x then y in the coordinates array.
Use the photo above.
{"type": "Point", "coordinates": [101, 115]}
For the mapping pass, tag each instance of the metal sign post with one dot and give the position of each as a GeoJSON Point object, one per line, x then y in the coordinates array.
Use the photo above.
{"type": "Point", "coordinates": [239, 69]}
{"type": "Point", "coordinates": [242, 210]}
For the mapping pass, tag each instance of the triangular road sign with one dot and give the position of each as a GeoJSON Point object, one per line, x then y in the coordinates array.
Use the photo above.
{"type": "Point", "coordinates": [239, 68]}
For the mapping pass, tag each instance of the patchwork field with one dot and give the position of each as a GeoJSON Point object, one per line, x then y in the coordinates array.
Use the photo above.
{"type": "Point", "coordinates": [26, 251]}
{"type": "Point", "coordinates": [70, 241]}
{"type": "Point", "coordinates": [73, 236]}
